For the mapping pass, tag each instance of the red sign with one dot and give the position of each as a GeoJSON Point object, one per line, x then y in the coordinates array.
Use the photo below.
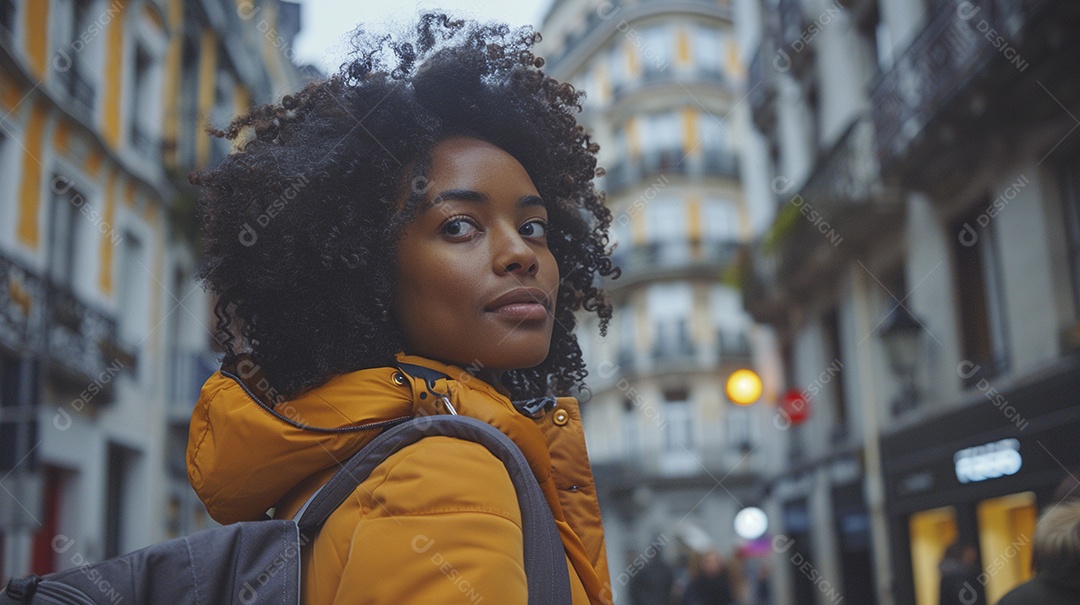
{"type": "Point", "coordinates": [794, 407]}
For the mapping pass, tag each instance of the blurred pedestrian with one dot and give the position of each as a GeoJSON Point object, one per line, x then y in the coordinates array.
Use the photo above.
{"type": "Point", "coordinates": [652, 583]}
{"type": "Point", "coordinates": [1056, 560]}
{"type": "Point", "coordinates": [959, 576]}
{"type": "Point", "coordinates": [711, 585]}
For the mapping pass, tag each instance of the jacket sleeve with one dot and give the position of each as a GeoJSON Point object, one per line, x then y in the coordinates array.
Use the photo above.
{"type": "Point", "coordinates": [439, 523]}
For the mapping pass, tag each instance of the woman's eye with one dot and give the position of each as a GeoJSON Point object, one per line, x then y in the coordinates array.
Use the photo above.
{"type": "Point", "coordinates": [458, 227]}
{"type": "Point", "coordinates": [535, 228]}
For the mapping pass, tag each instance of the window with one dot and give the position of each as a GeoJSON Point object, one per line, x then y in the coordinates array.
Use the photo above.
{"type": "Point", "coordinates": [662, 135]}
{"type": "Point", "coordinates": [627, 336]}
{"type": "Point", "coordinates": [143, 98]}
{"type": "Point", "coordinates": [655, 49]}
{"type": "Point", "coordinates": [121, 490]}
{"type": "Point", "coordinates": [670, 306]}
{"type": "Point", "coordinates": [667, 232]}
{"type": "Point", "coordinates": [708, 53]}
{"type": "Point", "coordinates": [134, 297]}
{"type": "Point", "coordinates": [65, 229]}
{"type": "Point", "coordinates": [738, 428]}
{"type": "Point", "coordinates": [679, 428]}
{"type": "Point", "coordinates": [720, 220]}
{"type": "Point", "coordinates": [620, 68]}
{"type": "Point", "coordinates": [980, 296]}
{"type": "Point", "coordinates": [188, 103]}
{"type": "Point", "coordinates": [730, 322]}
{"type": "Point", "coordinates": [79, 52]}
{"type": "Point", "coordinates": [1071, 204]}
{"type": "Point", "coordinates": [832, 376]}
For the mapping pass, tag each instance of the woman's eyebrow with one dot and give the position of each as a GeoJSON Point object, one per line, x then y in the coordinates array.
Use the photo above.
{"type": "Point", "coordinates": [468, 195]}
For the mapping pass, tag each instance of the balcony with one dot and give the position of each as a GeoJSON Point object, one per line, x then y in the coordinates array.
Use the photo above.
{"type": "Point", "coordinates": [599, 23]}
{"type": "Point", "coordinates": [674, 350]}
{"type": "Point", "coordinates": [79, 343]}
{"type": "Point", "coordinates": [650, 463]}
{"type": "Point", "coordinates": [673, 259]}
{"type": "Point", "coordinates": [21, 295]}
{"type": "Point", "coordinates": [843, 201]}
{"type": "Point", "coordinates": [975, 68]}
{"type": "Point", "coordinates": [82, 345]}
{"type": "Point", "coordinates": [655, 77]}
{"type": "Point", "coordinates": [707, 163]}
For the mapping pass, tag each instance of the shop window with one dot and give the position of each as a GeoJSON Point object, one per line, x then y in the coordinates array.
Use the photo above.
{"type": "Point", "coordinates": [931, 532]}
{"type": "Point", "coordinates": [1006, 534]}
{"type": "Point", "coordinates": [980, 296]}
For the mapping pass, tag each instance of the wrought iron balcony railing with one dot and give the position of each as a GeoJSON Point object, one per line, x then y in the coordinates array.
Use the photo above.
{"type": "Point", "coordinates": [943, 59]}
{"type": "Point", "coordinates": [707, 162]}
{"type": "Point", "coordinates": [21, 293]}
{"type": "Point", "coordinates": [79, 343]}
{"type": "Point", "coordinates": [848, 173]}
{"type": "Point", "coordinates": [672, 258]}
{"type": "Point", "coordinates": [82, 342]}
{"type": "Point", "coordinates": [656, 76]}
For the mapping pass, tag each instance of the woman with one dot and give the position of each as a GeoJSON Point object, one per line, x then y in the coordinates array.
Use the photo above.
{"type": "Point", "coordinates": [429, 212]}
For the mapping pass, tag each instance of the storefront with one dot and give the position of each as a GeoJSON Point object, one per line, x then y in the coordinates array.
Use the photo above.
{"type": "Point", "coordinates": [980, 475]}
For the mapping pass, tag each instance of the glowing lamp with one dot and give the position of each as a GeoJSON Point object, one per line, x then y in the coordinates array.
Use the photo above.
{"type": "Point", "coordinates": [743, 387]}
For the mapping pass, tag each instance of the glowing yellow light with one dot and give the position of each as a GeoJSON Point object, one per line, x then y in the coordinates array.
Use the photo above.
{"type": "Point", "coordinates": [743, 387]}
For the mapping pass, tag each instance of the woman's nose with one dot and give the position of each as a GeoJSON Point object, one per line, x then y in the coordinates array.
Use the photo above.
{"type": "Point", "coordinates": [515, 255]}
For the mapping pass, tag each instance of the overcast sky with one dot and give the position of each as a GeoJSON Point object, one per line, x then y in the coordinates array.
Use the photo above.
{"type": "Point", "coordinates": [325, 24]}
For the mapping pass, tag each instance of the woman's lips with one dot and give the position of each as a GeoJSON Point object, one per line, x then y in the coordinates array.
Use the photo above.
{"type": "Point", "coordinates": [522, 311]}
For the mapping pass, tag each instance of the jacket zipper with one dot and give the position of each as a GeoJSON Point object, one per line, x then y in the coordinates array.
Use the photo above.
{"type": "Point", "coordinates": [61, 594]}
{"type": "Point", "coordinates": [341, 429]}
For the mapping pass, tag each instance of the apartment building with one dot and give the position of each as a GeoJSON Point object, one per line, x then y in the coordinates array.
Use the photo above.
{"type": "Point", "coordinates": [921, 276]}
{"type": "Point", "coordinates": [104, 339]}
{"type": "Point", "coordinates": [675, 459]}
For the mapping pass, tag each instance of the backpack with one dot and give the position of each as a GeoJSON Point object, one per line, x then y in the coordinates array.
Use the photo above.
{"type": "Point", "coordinates": [258, 562]}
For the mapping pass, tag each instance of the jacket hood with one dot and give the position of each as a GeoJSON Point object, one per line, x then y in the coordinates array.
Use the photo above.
{"type": "Point", "coordinates": [244, 456]}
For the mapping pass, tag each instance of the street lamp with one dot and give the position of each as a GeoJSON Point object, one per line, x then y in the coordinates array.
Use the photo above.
{"type": "Point", "coordinates": [743, 387]}
{"type": "Point", "coordinates": [901, 333]}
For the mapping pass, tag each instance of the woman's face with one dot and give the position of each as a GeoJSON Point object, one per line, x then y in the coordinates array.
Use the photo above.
{"type": "Point", "coordinates": [476, 283]}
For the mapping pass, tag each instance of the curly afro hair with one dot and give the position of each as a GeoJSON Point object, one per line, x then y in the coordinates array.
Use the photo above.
{"type": "Point", "coordinates": [299, 223]}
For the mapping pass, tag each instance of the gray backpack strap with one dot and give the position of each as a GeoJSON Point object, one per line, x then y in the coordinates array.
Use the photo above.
{"type": "Point", "coordinates": [545, 561]}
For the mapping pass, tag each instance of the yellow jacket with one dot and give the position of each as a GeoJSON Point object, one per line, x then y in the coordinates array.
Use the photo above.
{"type": "Point", "coordinates": [438, 522]}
